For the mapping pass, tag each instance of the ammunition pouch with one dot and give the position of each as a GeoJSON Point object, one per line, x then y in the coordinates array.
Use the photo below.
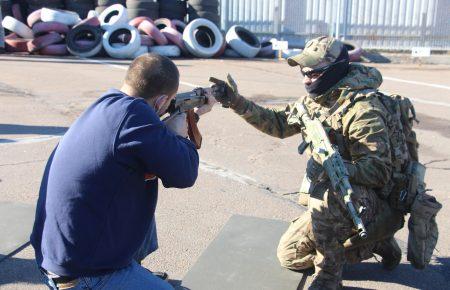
{"type": "Point", "coordinates": [404, 187]}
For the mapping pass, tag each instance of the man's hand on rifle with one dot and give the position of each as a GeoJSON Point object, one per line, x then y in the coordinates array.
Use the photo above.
{"type": "Point", "coordinates": [177, 124]}
{"type": "Point", "coordinates": [225, 92]}
{"type": "Point", "coordinates": [206, 107]}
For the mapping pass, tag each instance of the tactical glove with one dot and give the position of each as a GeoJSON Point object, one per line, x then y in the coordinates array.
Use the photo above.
{"type": "Point", "coordinates": [225, 92]}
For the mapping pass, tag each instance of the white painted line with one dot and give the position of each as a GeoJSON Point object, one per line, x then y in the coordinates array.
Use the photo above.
{"type": "Point", "coordinates": [417, 83]}
{"type": "Point", "coordinates": [29, 140]}
{"type": "Point", "coordinates": [441, 104]}
{"type": "Point", "coordinates": [227, 173]}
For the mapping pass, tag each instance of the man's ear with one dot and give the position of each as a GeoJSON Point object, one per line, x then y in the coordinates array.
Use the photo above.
{"type": "Point", "coordinates": [159, 104]}
{"type": "Point", "coordinates": [160, 101]}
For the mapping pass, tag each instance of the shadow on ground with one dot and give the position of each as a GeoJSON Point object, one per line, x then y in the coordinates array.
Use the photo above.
{"type": "Point", "coordinates": [15, 129]}
{"type": "Point", "coordinates": [16, 270]}
{"type": "Point", "coordinates": [433, 277]}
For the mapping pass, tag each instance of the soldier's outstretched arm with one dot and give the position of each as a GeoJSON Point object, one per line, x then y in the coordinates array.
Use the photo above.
{"type": "Point", "coordinates": [270, 121]}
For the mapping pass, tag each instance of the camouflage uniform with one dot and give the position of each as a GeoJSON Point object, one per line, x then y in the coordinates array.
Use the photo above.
{"type": "Point", "coordinates": [316, 238]}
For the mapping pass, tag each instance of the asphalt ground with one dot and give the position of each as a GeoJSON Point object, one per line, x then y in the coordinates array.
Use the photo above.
{"type": "Point", "coordinates": [243, 171]}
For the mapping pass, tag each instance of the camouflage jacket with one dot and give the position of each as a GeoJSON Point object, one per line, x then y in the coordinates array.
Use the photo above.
{"type": "Point", "coordinates": [359, 132]}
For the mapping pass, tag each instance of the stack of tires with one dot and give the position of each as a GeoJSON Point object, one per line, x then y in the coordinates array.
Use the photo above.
{"type": "Point", "coordinates": [208, 9]}
{"type": "Point", "coordinates": [34, 5]}
{"type": "Point", "coordinates": [101, 5]}
{"type": "Point", "coordinates": [172, 9]}
{"type": "Point", "coordinates": [5, 6]}
{"type": "Point", "coordinates": [148, 8]}
{"type": "Point", "coordinates": [82, 7]}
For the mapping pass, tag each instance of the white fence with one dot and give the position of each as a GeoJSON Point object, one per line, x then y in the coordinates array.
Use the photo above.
{"type": "Point", "coordinates": [383, 24]}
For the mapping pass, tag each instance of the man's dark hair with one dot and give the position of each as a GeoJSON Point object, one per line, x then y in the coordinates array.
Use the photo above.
{"type": "Point", "coordinates": [151, 75]}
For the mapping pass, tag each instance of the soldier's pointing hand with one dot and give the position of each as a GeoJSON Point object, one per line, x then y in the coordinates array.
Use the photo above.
{"type": "Point", "coordinates": [225, 92]}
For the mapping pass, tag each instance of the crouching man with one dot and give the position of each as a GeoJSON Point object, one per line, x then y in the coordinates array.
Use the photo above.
{"type": "Point", "coordinates": [95, 206]}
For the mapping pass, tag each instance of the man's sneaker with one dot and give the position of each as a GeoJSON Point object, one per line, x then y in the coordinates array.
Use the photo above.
{"type": "Point", "coordinates": [390, 252]}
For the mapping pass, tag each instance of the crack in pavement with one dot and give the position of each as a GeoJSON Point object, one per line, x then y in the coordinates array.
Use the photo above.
{"type": "Point", "coordinates": [23, 162]}
{"type": "Point", "coordinates": [435, 161]}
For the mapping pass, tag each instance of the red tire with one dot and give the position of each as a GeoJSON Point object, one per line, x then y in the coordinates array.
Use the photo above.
{"type": "Point", "coordinates": [162, 23]}
{"type": "Point", "coordinates": [42, 41]}
{"type": "Point", "coordinates": [34, 17]}
{"type": "Point", "coordinates": [42, 28]}
{"type": "Point", "coordinates": [150, 29]}
{"type": "Point", "coordinates": [16, 44]}
{"type": "Point", "coordinates": [178, 25]}
{"type": "Point", "coordinates": [16, 12]}
{"type": "Point", "coordinates": [92, 21]}
{"type": "Point", "coordinates": [138, 20]}
{"type": "Point", "coordinates": [175, 37]}
{"type": "Point", "coordinates": [54, 49]}
{"type": "Point", "coordinates": [354, 51]}
{"type": "Point", "coordinates": [147, 40]}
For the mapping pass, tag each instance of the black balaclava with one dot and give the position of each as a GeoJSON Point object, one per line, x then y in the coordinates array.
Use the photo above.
{"type": "Point", "coordinates": [331, 76]}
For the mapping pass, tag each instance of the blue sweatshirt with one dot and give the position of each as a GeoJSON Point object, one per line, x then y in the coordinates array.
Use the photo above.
{"type": "Point", "coordinates": [94, 206]}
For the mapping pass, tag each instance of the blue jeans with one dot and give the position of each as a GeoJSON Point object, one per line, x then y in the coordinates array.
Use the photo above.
{"type": "Point", "coordinates": [133, 277]}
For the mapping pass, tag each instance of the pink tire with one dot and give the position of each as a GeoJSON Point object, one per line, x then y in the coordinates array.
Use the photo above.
{"type": "Point", "coordinates": [222, 49]}
{"type": "Point", "coordinates": [34, 18]}
{"type": "Point", "coordinates": [150, 29]}
{"type": "Point", "coordinates": [54, 49]}
{"type": "Point", "coordinates": [138, 20]}
{"type": "Point", "coordinates": [42, 41]}
{"type": "Point", "coordinates": [354, 51]}
{"type": "Point", "coordinates": [92, 21]}
{"type": "Point", "coordinates": [175, 37]}
{"type": "Point", "coordinates": [16, 44]}
{"type": "Point", "coordinates": [46, 27]}
{"type": "Point", "coordinates": [147, 40]}
{"type": "Point", "coordinates": [162, 23]}
{"type": "Point", "coordinates": [178, 25]}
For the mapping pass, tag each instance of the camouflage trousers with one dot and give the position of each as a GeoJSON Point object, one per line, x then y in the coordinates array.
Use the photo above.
{"type": "Point", "coordinates": [317, 237]}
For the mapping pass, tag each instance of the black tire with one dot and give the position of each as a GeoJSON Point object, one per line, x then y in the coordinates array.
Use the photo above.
{"type": "Point", "coordinates": [6, 8]}
{"type": "Point", "coordinates": [109, 2]}
{"type": "Point", "coordinates": [84, 32]}
{"type": "Point", "coordinates": [214, 3]}
{"type": "Point", "coordinates": [133, 13]}
{"type": "Point", "coordinates": [34, 5]}
{"type": "Point", "coordinates": [173, 9]}
{"type": "Point", "coordinates": [80, 7]}
{"type": "Point", "coordinates": [213, 17]}
{"type": "Point", "coordinates": [142, 4]}
{"type": "Point", "coordinates": [205, 8]}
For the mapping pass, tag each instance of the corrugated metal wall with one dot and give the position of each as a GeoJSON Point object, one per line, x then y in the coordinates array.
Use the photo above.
{"type": "Point", "coordinates": [388, 24]}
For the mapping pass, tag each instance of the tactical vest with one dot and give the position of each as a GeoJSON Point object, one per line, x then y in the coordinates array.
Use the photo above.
{"type": "Point", "coordinates": [407, 174]}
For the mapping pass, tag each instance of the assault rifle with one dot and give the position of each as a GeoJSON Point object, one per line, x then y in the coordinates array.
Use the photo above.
{"type": "Point", "coordinates": [329, 157]}
{"type": "Point", "coordinates": [185, 103]}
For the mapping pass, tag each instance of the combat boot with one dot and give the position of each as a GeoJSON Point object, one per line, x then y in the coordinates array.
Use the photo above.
{"type": "Point", "coordinates": [391, 253]}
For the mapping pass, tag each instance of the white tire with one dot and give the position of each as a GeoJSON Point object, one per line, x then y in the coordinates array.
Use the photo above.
{"type": "Point", "coordinates": [113, 16]}
{"type": "Point", "coordinates": [122, 51]}
{"type": "Point", "coordinates": [231, 53]}
{"type": "Point", "coordinates": [243, 41]}
{"type": "Point", "coordinates": [62, 16]}
{"type": "Point", "coordinates": [166, 50]}
{"type": "Point", "coordinates": [192, 44]}
{"type": "Point", "coordinates": [142, 50]}
{"type": "Point", "coordinates": [17, 27]}
{"type": "Point", "coordinates": [92, 13]}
